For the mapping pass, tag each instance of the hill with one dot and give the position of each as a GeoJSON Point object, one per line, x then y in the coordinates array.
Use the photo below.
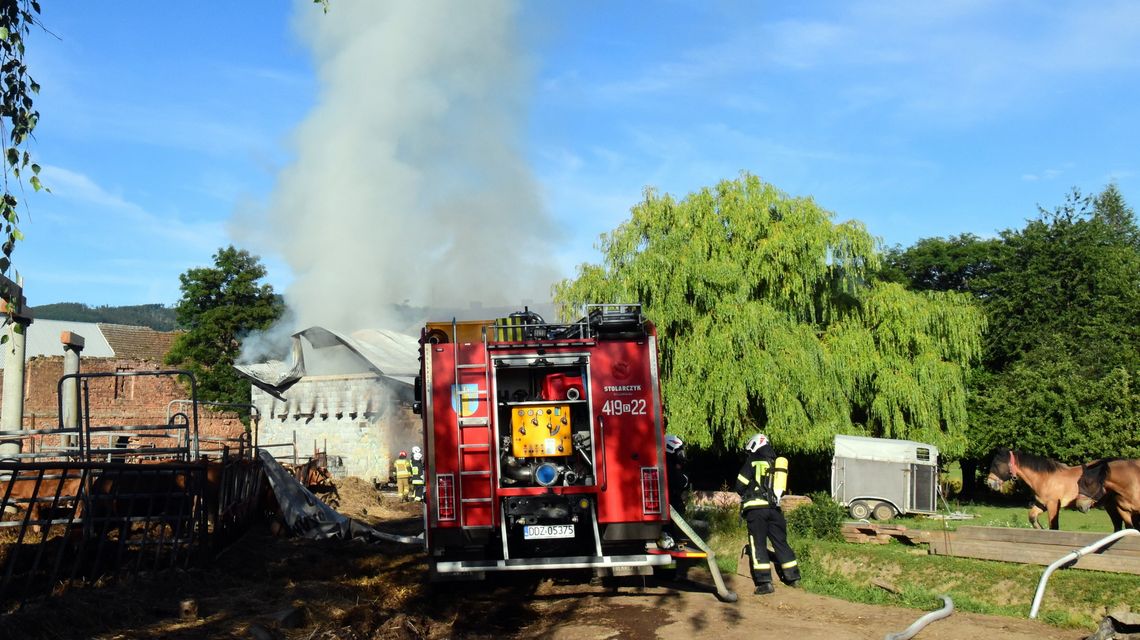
{"type": "Point", "coordinates": [155, 316]}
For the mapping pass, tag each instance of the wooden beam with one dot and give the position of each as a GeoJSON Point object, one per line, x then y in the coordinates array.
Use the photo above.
{"type": "Point", "coordinates": [1031, 554]}
{"type": "Point", "coordinates": [1071, 539]}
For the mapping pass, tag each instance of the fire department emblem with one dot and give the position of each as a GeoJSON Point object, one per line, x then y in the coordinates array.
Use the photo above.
{"type": "Point", "coordinates": [465, 399]}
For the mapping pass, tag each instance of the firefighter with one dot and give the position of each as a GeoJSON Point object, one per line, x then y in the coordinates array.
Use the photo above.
{"type": "Point", "coordinates": [760, 508]}
{"type": "Point", "coordinates": [417, 474]}
{"type": "Point", "coordinates": [678, 482]}
{"type": "Point", "coordinates": [403, 476]}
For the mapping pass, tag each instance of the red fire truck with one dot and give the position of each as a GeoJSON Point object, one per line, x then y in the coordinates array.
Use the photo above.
{"type": "Point", "coordinates": [544, 444]}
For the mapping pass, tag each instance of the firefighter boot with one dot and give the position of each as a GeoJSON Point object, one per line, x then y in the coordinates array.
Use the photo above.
{"type": "Point", "coordinates": [764, 588]}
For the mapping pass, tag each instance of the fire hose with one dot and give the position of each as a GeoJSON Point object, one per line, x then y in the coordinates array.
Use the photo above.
{"type": "Point", "coordinates": [722, 592]}
{"type": "Point", "coordinates": [921, 623]}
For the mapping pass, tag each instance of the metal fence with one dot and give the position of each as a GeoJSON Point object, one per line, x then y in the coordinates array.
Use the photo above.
{"type": "Point", "coordinates": [118, 499]}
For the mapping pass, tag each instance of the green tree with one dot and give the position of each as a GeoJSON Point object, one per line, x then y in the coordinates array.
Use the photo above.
{"type": "Point", "coordinates": [1063, 355]}
{"type": "Point", "coordinates": [941, 264]}
{"type": "Point", "coordinates": [219, 306]}
{"type": "Point", "coordinates": [959, 263]}
{"type": "Point", "coordinates": [769, 319]}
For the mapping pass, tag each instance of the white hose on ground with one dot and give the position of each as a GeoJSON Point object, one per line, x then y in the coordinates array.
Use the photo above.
{"type": "Point", "coordinates": [722, 592]}
{"type": "Point", "coordinates": [1071, 558]}
{"type": "Point", "coordinates": [919, 624]}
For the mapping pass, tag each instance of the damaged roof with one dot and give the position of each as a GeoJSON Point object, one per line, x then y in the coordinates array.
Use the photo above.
{"type": "Point", "coordinates": [387, 353]}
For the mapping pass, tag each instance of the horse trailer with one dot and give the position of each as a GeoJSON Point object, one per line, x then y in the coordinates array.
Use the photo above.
{"type": "Point", "coordinates": [882, 478]}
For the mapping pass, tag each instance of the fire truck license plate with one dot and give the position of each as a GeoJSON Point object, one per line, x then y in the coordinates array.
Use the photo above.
{"type": "Point", "coordinates": [547, 531]}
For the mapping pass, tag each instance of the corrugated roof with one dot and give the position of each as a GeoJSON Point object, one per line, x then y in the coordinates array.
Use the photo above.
{"type": "Point", "coordinates": [137, 343]}
{"type": "Point", "coordinates": [388, 353]}
{"type": "Point", "coordinates": [100, 340]}
{"type": "Point", "coordinates": [42, 339]}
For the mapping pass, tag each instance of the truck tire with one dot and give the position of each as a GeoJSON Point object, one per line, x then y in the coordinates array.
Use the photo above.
{"type": "Point", "coordinates": [884, 511]}
{"type": "Point", "coordinates": [859, 510]}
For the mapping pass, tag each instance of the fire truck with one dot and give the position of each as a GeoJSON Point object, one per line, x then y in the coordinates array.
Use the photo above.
{"type": "Point", "coordinates": [544, 444]}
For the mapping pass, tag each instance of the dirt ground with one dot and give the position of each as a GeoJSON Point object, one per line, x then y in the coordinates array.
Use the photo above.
{"type": "Point", "coordinates": [268, 587]}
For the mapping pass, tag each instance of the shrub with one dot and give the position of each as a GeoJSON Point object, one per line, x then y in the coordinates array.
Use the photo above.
{"type": "Point", "coordinates": [721, 519]}
{"type": "Point", "coordinates": [821, 519]}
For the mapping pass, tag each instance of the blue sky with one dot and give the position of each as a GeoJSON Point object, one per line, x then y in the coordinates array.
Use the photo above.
{"type": "Point", "coordinates": [169, 130]}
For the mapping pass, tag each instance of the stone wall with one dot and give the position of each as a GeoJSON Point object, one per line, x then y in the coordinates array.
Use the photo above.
{"type": "Point", "coordinates": [359, 420]}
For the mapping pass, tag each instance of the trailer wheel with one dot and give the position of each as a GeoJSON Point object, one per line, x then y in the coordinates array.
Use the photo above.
{"type": "Point", "coordinates": [884, 511]}
{"type": "Point", "coordinates": [859, 510]}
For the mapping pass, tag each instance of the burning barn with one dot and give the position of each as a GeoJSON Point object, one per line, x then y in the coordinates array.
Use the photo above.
{"type": "Point", "coordinates": [346, 395]}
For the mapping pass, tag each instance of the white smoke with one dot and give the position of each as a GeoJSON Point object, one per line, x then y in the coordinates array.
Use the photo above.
{"type": "Point", "coordinates": [410, 182]}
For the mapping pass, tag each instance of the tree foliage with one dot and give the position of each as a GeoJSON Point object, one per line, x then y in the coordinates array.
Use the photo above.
{"type": "Point", "coordinates": [768, 319]}
{"type": "Point", "coordinates": [155, 316]}
{"type": "Point", "coordinates": [941, 264]}
{"type": "Point", "coordinates": [1063, 356]}
{"type": "Point", "coordinates": [18, 117]}
{"type": "Point", "coordinates": [219, 306]}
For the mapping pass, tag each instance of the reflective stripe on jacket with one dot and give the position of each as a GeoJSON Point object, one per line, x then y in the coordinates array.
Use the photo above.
{"type": "Point", "coordinates": [753, 483]}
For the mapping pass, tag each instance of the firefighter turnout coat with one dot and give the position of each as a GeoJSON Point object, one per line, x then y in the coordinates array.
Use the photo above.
{"type": "Point", "coordinates": [760, 508]}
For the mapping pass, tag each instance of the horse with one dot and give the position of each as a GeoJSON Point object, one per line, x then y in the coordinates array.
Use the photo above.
{"type": "Point", "coordinates": [1116, 480]}
{"type": "Point", "coordinates": [1054, 484]}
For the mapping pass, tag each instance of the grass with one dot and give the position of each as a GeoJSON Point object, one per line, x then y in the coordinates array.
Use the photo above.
{"type": "Point", "coordinates": [1074, 598]}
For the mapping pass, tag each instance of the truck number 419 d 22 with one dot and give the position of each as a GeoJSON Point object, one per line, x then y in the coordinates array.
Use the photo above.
{"type": "Point", "coordinates": [634, 407]}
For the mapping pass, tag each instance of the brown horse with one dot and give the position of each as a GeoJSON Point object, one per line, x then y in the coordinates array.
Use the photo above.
{"type": "Point", "coordinates": [1054, 484]}
{"type": "Point", "coordinates": [1116, 480]}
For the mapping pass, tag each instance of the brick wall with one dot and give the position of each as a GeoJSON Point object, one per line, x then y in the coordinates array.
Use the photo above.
{"type": "Point", "coordinates": [131, 400]}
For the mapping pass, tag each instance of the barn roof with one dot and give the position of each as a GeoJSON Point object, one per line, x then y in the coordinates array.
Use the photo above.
{"type": "Point", "coordinates": [390, 354]}
{"type": "Point", "coordinates": [137, 343]}
{"type": "Point", "coordinates": [101, 340]}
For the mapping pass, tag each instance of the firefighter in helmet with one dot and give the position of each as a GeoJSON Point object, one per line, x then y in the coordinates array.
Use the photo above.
{"type": "Point", "coordinates": [417, 474]}
{"type": "Point", "coordinates": [760, 492]}
{"type": "Point", "coordinates": [678, 482]}
{"type": "Point", "coordinates": [403, 476]}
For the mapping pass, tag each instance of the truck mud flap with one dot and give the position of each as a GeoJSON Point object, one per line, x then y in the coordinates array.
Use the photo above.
{"type": "Point", "coordinates": [569, 562]}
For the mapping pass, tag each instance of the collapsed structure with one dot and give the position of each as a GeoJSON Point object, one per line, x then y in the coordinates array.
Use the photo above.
{"type": "Point", "coordinates": [348, 396]}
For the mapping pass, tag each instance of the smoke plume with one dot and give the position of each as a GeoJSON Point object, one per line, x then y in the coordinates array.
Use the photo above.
{"type": "Point", "coordinates": [409, 183]}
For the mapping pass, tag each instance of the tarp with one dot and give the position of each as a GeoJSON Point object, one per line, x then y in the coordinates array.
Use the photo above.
{"type": "Point", "coordinates": [307, 516]}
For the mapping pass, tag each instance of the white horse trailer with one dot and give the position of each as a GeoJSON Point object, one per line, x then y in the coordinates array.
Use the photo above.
{"type": "Point", "coordinates": [881, 478]}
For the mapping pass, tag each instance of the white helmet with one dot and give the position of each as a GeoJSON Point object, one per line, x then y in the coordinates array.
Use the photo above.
{"type": "Point", "coordinates": [673, 444]}
{"type": "Point", "coordinates": [416, 450]}
{"type": "Point", "coordinates": [754, 443]}
{"type": "Point", "coordinates": [417, 453]}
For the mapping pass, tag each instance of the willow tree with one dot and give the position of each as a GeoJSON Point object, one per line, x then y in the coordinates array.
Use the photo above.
{"type": "Point", "coordinates": [768, 319]}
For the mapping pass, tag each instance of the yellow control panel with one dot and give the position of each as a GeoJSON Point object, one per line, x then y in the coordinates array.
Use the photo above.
{"type": "Point", "coordinates": [540, 430]}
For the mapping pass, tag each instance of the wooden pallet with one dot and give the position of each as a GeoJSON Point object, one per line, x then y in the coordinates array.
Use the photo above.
{"type": "Point", "coordinates": [867, 533]}
{"type": "Point", "coordinates": [1036, 546]}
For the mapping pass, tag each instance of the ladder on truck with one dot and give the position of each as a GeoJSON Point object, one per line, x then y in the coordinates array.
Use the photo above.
{"type": "Point", "coordinates": [475, 489]}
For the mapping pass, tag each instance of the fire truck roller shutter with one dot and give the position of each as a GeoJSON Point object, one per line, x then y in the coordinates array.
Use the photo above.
{"type": "Point", "coordinates": [507, 331]}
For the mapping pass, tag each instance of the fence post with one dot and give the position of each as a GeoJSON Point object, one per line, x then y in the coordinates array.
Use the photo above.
{"type": "Point", "coordinates": [72, 346]}
{"type": "Point", "coordinates": [14, 362]}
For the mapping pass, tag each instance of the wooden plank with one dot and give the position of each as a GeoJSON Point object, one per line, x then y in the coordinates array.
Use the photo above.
{"type": "Point", "coordinates": [1125, 547]}
{"type": "Point", "coordinates": [1030, 554]}
{"type": "Point", "coordinates": [1070, 539]}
